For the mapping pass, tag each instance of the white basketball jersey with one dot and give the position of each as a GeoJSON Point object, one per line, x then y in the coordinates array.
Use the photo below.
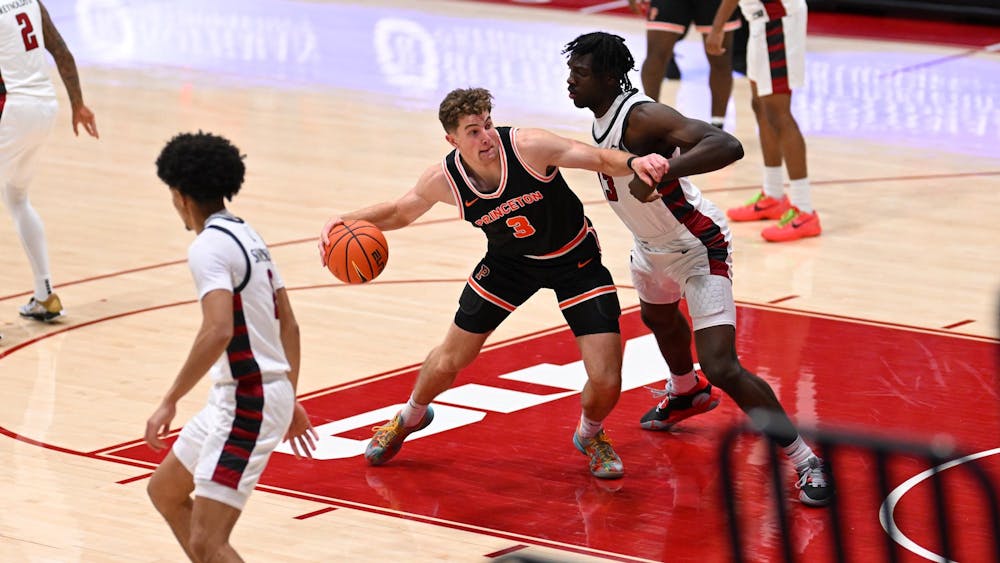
{"type": "Point", "coordinates": [673, 223]}
{"type": "Point", "coordinates": [228, 254]}
{"type": "Point", "coordinates": [23, 68]}
{"type": "Point", "coordinates": [754, 10]}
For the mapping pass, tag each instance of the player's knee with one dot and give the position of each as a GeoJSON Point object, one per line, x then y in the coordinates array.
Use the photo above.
{"type": "Point", "coordinates": [606, 382]}
{"type": "Point", "coordinates": [203, 544]}
{"type": "Point", "coordinates": [722, 372]}
{"type": "Point", "coordinates": [443, 360]}
{"type": "Point", "coordinates": [669, 322]}
{"type": "Point", "coordinates": [159, 495]}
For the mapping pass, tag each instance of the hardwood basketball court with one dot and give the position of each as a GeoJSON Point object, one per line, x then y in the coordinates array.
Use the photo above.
{"type": "Point", "coordinates": [886, 322]}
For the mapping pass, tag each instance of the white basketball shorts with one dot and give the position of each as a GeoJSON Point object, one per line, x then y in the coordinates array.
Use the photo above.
{"type": "Point", "coordinates": [661, 278]}
{"type": "Point", "coordinates": [225, 452]}
{"type": "Point", "coordinates": [25, 124]}
{"type": "Point", "coordinates": [776, 53]}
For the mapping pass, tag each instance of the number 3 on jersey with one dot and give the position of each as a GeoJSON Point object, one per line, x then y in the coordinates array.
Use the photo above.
{"type": "Point", "coordinates": [522, 227]}
{"type": "Point", "coordinates": [608, 183]}
{"type": "Point", "coordinates": [27, 31]}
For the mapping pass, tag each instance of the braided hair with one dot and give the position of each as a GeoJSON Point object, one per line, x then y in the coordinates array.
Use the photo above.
{"type": "Point", "coordinates": [610, 55]}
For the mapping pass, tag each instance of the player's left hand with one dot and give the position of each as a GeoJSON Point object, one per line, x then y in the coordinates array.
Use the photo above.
{"type": "Point", "coordinates": [642, 191]}
{"type": "Point", "coordinates": [158, 425]}
{"type": "Point", "coordinates": [83, 116]}
{"type": "Point", "coordinates": [301, 434]}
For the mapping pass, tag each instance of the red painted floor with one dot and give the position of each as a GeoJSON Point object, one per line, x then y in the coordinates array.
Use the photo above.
{"type": "Point", "coordinates": [519, 476]}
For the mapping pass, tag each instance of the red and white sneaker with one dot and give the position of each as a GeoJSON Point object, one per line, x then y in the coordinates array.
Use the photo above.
{"type": "Point", "coordinates": [675, 408]}
{"type": "Point", "coordinates": [759, 208]}
{"type": "Point", "coordinates": [794, 225]}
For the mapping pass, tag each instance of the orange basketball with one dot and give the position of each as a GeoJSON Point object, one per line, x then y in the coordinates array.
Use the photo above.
{"type": "Point", "coordinates": [357, 252]}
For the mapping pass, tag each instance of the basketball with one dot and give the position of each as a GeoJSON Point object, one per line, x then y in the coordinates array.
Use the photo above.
{"type": "Point", "coordinates": [357, 252]}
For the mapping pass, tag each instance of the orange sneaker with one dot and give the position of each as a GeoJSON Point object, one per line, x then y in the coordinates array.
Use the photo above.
{"type": "Point", "coordinates": [793, 225]}
{"type": "Point", "coordinates": [760, 207]}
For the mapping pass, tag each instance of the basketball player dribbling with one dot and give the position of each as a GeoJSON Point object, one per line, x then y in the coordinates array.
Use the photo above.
{"type": "Point", "coordinates": [506, 181]}
{"type": "Point", "coordinates": [27, 114]}
{"type": "Point", "coordinates": [683, 248]}
{"type": "Point", "coordinates": [248, 343]}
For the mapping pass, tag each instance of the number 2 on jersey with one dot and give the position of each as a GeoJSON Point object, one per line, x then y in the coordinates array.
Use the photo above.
{"type": "Point", "coordinates": [27, 31]}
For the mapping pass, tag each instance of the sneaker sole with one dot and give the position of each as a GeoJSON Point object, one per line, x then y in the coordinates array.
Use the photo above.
{"type": "Point", "coordinates": [47, 317]}
{"type": "Point", "coordinates": [660, 426]}
{"type": "Point", "coordinates": [809, 501]}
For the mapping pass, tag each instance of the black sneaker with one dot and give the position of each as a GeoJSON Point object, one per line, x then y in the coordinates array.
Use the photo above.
{"type": "Point", "coordinates": [814, 484]}
{"type": "Point", "coordinates": [675, 408]}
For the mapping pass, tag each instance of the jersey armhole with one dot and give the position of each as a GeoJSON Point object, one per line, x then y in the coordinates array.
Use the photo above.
{"type": "Point", "coordinates": [524, 164]}
{"type": "Point", "coordinates": [246, 257]}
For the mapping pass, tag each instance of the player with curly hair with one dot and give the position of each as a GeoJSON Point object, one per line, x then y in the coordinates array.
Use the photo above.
{"type": "Point", "coordinates": [248, 343]}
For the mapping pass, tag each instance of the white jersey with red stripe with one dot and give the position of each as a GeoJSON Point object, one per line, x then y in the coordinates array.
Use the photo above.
{"type": "Point", "coordinates": [664, 225]}
{"type": "Point", "coordinates": [228, 254]}
{"type": "Point", "coordinates": [754, 10]}
{"type": "Point", "coordinates": [23, 68]}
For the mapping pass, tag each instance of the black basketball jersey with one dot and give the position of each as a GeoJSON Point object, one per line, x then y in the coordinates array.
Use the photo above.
{"type": "Point", "coordinates": [530, 214]}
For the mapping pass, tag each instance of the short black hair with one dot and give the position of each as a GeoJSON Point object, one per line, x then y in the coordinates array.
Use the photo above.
{"type": "Point", "coordinates": [611, 56]}
{"type": "Point", "coordinates": [203, 166]}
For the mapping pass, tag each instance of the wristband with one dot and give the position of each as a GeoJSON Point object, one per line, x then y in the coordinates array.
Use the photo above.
{"type": "Point", "coordinates": [629, 162]}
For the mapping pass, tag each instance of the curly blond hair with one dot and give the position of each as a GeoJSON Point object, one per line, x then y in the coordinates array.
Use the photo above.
{"type": "Point", "coordinates": [461, 102]}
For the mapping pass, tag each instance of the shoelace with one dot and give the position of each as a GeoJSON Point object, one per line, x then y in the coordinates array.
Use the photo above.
{"type": "Point", "coordinates": [387, 432]}
{"type": "Point", "coordinates": [657, 392]}
{"type": "Point", "coordinates": [756, 197]}
{"type": "Point", "coordinates": [813, 476]}
{"type": "Point", "coordinates": [603, 450]}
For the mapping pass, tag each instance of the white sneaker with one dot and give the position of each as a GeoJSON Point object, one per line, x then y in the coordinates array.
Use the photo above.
{"type": "Point", "coordinates": [44, 311]}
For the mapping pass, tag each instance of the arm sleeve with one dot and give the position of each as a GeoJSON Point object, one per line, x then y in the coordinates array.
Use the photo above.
{"type": "Point", "coordinates": [215, 261]}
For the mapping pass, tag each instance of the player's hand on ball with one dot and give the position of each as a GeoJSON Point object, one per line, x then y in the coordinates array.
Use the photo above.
{"type": "Point", "coordinates": [324, 237]}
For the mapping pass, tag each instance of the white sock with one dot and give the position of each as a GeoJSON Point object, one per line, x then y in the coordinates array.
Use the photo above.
{"type": "Point", "coordinates": [31, 231]}
{"type": "Point", "coordinates": [718, 120]}
{"type": "Point", "coordinates": [588, 428]}
{"type": "Point", "coordinates": [799, 453]}
{"type": "Point", "coordinates": [685, 382]}
{"type": "Point", "coordinates": [413, 413]}
{"type": "Point", "coordinates": [43, 287]}
{"type": "Point", "coordinates": [774, 181]}
{"type": "Point", "coordinates": [800, 195]}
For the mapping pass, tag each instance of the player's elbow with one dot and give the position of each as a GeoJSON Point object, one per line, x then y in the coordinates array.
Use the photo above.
{"type": "Point", "coordinates": [733, 149]}
{"type": "Point", "coordinates": [289, 329]}
{"type": "Point", "coordinates": [219, 333]}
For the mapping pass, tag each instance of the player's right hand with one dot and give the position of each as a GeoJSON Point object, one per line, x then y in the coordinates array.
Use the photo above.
{"type": "Point", "coordinates": [301, 435]}
{"type": "Point", "coordinates": [158, 425]}
{"type": "Point", "coordinates": [713, 42]}
{"type": "Point", "coordinates": [324, 237]}
{"type": "Point", "coordinates": [638, 6]}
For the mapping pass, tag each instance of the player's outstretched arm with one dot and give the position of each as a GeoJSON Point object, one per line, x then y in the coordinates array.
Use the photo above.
{"type": "Point", "coordinates": [66, 64]}
{"type": "Point", "coordinates": [214, 335]}
{"type": "Point", "coordinates": [431, 188]}
{"type": "Point", "coordinates": [544, 149]}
